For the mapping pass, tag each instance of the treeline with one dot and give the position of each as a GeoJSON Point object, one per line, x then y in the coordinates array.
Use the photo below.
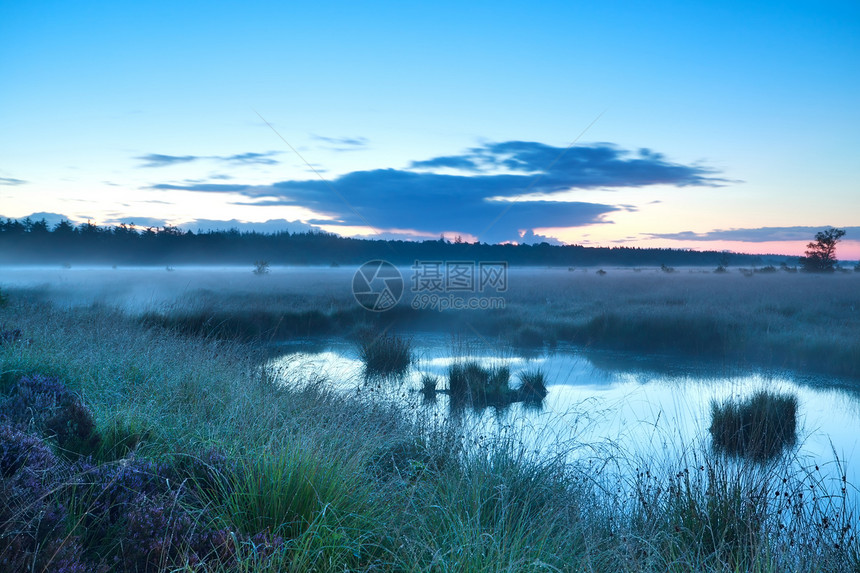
{"type": "Point", "coordinates": [35, 242]}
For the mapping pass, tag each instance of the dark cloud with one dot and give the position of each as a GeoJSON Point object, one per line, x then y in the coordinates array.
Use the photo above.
{"type": "Point", "coordinates": [11, 181]}
{"type": "Point", "coordinates": [757, 235]}
{"type": "Point", "coordinates": [250, 158]}
{"type": "Point", "coordinates": [587, 166]}
{"type": "Point", "coordinates": [392, 199]}
{"type": "Point", "coordinates": [484, 203]}
{"type": "Point", "coordinates": [451, 161]}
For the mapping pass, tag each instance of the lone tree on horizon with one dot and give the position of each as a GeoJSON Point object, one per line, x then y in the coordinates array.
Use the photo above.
{"type": "Point", "coordinates": [821, 253]}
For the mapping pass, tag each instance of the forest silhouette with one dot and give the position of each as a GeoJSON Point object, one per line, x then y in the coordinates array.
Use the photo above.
{"type": "Point", "coordinates": [35, 242]}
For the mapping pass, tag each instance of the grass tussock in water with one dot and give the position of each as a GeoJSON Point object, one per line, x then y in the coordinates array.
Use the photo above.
{"type": "Point", "coordinates": [759, 427]}
{"type": "Point", "coordinates": [384, 354]}
{"type": "Point", "coordinates": [429, 385]}
{"type": "Point", "coordinates": [533, 385]}
{"type": "Point", "coordinates": [469, 382]}
{"type": "Point", "coordinates": [207, 463]}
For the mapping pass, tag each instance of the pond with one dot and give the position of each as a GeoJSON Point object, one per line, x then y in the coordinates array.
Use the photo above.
{"type": "Point", "coordinates": [648, 406]}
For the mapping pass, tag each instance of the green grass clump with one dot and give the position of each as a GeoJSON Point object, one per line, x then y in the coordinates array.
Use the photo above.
{"type": "Point", "coordinates": [286, 489]}
{"type": "Point", "coordinates": [759, 427]}
{"type": "Point", "coordinates": [499, 509]}
{"type": "Point", "coordinates": [471, 382]}
{"type": "Point", "coordinates": [428, 385]}
{"type": "Point", "coordinates": [383, 354]}
{"type": "Point", "coordinates": [533, 385]}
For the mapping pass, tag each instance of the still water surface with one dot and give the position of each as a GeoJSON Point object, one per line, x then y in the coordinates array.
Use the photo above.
{"type": "Point", "coordinates": [652, 407]}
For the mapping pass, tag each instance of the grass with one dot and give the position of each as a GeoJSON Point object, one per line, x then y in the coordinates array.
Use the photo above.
{"type": "Point", "coordinates": [759, 427]}
{"type": "Point", "coordinates": [783, 320]}
{"type": "Point", "coordinates": [533, 385]}
{"type": "Point", "coordinates": [302, 479]}
{"type": "Point", "coordinates": [428, 385]}
{"type": "Point", "coordinates": [719, 513]}
{"type": "Point", "coordinates": [384, 354]}
{"type": "Point", "coordinates": [723, 316]}
{"type": "Point", "coordinates": [704, 315]}
{"type": "Point", "coordinates": [469, 382]}
{"type": "Point", "coordinates": [677, 333]}
{"type": "Point", "coordinates": [289, 490]}
{"type": "Point", "coordinates": [479, 386]}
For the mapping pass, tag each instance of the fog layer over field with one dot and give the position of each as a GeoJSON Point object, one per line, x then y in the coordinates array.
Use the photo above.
{"type": "Point", "coordinates": [144, 288]}
{"type": "Point", "coordinates": [782, 319]}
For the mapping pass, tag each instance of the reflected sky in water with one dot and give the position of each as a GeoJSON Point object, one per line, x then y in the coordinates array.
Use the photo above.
{"type": "Point", "coordinates": [653, 407]}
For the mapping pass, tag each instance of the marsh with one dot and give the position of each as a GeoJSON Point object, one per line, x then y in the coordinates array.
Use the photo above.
{"type": "Point", "coordinates": [268, 369]}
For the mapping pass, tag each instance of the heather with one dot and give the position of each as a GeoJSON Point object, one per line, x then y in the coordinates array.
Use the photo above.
{"type": "Point", "coordinates": [158, 451]}
{"type": "Point", "coordinates": [46, 406]}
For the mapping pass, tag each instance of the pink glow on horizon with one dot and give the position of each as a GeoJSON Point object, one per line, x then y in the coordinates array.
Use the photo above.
{"type": "Point", "coordinates": [845, 250]}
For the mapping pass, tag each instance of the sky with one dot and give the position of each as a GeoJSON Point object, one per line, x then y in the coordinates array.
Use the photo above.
{"type": "Point", "coordinates": [703, 125]}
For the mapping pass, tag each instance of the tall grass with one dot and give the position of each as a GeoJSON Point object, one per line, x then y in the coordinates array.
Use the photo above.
{"type": "Point", "coordinates": [302, 479]}
{"type": "Point", "coordinates": [533, 385]}
{"type": "Point", "coordinates": [384, 354]}
{"type": "Point", "coordinates": [470, 382]}
{"type": "Point", "coordinates": [719, 513]}
{"type": "Point", "coordinates": [428, 386]}
{"type": "Point", "coordinates": [759, 427]}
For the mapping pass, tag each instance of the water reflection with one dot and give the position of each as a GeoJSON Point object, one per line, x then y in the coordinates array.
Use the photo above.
{"type": "Point", "coordinates": [760, 427]}
{"type": "Point", "coordinates": [647, 406]}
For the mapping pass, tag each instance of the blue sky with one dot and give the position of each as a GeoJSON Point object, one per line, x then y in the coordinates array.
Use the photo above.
{"type": "Point", "coordinates": [706, 125]}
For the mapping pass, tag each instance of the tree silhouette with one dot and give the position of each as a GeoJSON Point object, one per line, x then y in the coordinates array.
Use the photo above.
{"type": "Point", "coordinates": [65, 243]}
{"type": "Point", "coordinates": [821, 253]}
